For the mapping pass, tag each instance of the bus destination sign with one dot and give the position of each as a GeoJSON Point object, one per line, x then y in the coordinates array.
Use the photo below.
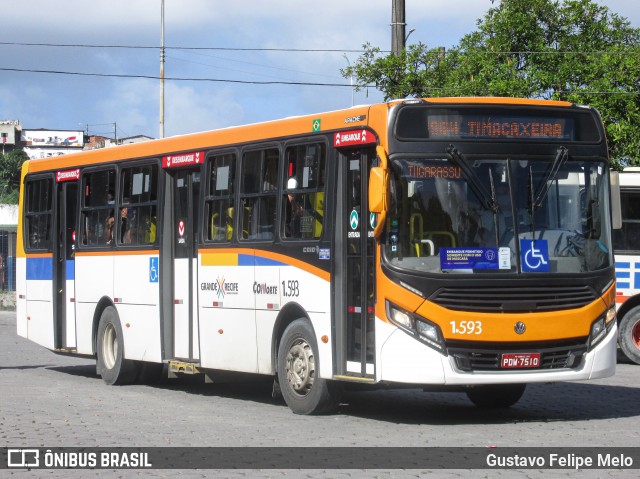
{"type": "Point", "coordinates": [497, 124]}
{"type": "Point", "coordinates": [496, 128]}
{"type": "Point", "coordinates": [183, 159]}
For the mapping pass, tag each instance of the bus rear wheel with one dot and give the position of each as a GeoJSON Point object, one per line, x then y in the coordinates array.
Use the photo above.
{"type": "Point", "coordinates": [298, 367]}
{"type": "Point", "coordinates": [111, 364]}
{"type": "Point", "coordinates": [629, 335]}
{"type": "Point", "coordinates": [496, 396]}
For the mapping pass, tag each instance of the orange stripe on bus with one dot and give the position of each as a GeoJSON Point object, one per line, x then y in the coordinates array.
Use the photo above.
{"type": "Point", "coordinates": [39, 255]}
{"type": "Point", "coordinates": [117, 253]}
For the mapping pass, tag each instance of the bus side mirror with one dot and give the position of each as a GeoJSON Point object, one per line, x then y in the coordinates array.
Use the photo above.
{"type": "Point", "coordinates": [378, 191]}
{"type": "Point", "coordinates": [616, 208]}
{"type": "Point", "coordinates": [379, 196]}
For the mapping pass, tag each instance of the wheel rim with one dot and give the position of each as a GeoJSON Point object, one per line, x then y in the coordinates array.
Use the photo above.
{"type": "Point", "coordinates": [635, 334]}
{"type": "Point", "coordinates": [300, 367]}
{"type": "Point", "coordinates": [109, 346]}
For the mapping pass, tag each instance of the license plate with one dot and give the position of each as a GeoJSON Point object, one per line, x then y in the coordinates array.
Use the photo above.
{"type": "Point", "coordinates": [520, 360]}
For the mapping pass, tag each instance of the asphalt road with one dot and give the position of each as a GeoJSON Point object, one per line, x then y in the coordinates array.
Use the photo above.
{"type": "Point", "coordinates": [48, 400]}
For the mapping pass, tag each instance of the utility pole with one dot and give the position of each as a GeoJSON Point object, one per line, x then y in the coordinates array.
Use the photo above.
{"type": "Point", "coordinates": [398, 24]}
{"type": "Point", "coordinates": [162, 69]}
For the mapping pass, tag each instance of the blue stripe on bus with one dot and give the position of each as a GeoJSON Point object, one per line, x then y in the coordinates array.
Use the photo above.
{"type": "Point", "coordinates": [622, 285]}
{"type": "Point", "coordinates": [246, 260]}
{"type": "Point", "coordinates": [260, 261]}
{"type": "Point", "coordinates": [637, 265]}
{"type": "Point", "coordinates": [39, 269]}
{"type": "Point", "coordinates": [71, 270]}
{"type": "Point", "coordinates": [623, 274]}
{"type": "Point", "coordinates": [623, 265]}
{"type": "Point", "coordinates": [250, 260]}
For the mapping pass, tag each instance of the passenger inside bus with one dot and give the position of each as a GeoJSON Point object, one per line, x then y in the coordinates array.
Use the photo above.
{"type": "Point", "coordinates": [108, 228]}
{"type": "Point", "coordinates": [293, 211]}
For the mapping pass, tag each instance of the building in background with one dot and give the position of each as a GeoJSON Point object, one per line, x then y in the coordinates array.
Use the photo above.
{"type": "Point", "coordinates": [8, 228]}
{"type": "Point", "coordinates": [10, 131]}
{"type": "Point", "coordinates": [44, 143]}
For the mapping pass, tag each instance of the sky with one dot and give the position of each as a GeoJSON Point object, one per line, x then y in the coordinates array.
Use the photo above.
{"type": "Point", "coordinates": [130, 106]}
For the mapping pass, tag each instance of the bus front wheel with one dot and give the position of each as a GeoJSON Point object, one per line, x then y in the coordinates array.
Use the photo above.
{"type": "Point", "coordinates": [496, 396]}
{"type": "Point", "coordinates": [298, 367]}
{"type": "Point", "coordinates": [629, 335]}
{"type": "Point", "coordinates": [111, 364]}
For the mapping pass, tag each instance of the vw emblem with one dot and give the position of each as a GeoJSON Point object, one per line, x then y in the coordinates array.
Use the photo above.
{"type": "Point", "coordinates": [520, 327]}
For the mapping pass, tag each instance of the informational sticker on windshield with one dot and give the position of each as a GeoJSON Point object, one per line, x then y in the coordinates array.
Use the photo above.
{"type": "Point", "coordinates": [469, 258]}
{"type": "Point", "coordinates": [504, 255]}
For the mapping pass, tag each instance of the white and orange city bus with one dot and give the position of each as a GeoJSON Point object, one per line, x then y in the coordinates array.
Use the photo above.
{"type": "Point", "coordinates": [460, 243]}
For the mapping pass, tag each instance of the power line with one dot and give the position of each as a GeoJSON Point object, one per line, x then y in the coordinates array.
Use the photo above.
{"type": "Point", "coordinates": [250, 82]}
{"type": "Point", "coordinates": [153, 77]}
{"type": "Point", "coordinates": [142, 47]}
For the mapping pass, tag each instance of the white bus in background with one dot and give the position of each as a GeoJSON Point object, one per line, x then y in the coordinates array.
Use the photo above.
{"type": "Point", "coordinates": [626, 244]}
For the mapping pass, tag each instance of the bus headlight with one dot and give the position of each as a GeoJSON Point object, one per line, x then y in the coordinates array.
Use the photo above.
{"type": "Point", "coordinates": [601, 326]}
{"type": "Point", "coordinates": [400, 317]}
{"type": "Point", "coordinates": [420, 328]}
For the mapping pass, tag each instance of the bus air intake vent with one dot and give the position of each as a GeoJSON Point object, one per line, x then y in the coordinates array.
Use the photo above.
{"type": "Point", "coordinates": [514, 299]}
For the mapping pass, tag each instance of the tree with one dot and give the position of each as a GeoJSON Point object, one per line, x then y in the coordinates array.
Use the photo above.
{"type": "Point", "coordinates": [10, 166]}
{"type": "Point", "coordinates": [574, 50]}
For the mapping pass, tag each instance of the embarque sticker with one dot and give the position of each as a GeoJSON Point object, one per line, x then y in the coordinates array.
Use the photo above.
{"type": "Point", "coordinates": [469, 258]}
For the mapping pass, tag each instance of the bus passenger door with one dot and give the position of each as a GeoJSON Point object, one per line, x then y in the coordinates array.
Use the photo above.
{"type": "Point", "coordinates": [64, 269]}
{"type": "Point", "coordinates": [186, 193]}
{"type": "Point", "coordinates": [354, 271]}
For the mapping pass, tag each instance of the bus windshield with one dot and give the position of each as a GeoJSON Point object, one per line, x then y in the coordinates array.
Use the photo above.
{"type": "Point", "coordinates": [453, 214]}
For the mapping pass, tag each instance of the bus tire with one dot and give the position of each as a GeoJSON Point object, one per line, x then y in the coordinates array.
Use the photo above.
{"type": "Point", "coordinates": [111, 364]}
{"type": "Point", "coordinates": [298, 367]}
{"type": "Point", "coordinates": [496, 395]}
{"type": "Point", "coordinates": [629, 335]}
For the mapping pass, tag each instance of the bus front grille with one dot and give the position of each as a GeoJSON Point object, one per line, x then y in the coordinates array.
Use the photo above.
{"type": "Point", "coordinates": [566, 355]}
{"type": "Point", "coordinates": [514, 299]}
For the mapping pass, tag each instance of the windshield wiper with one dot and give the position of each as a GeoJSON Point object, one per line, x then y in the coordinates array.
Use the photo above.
{"type": "Point", "coordinates": [489, 202]}
{"type": "Point", "coordinates": [496, 224]}
{"type": "Point", "coordinates": [531, 200]}
{"type": "Point", "coordinates": [535, 200]}
{"type": "Point", "coordinates": [561, 157]}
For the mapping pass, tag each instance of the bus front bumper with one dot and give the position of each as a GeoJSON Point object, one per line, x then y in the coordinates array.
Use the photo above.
{"type": "Point", "coordinates": [405, 360]}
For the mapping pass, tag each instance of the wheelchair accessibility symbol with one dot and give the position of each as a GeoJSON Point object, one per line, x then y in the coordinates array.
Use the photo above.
{"type": "Point", "coordinates": [153, 270]}
{"type": "Point", "coordinates": [534, 255]}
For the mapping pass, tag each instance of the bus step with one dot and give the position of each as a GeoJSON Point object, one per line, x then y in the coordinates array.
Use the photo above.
{"type": "Point", "coordinates": [354, 378]}
{"type": "Point", "coordinates": [182, 367]}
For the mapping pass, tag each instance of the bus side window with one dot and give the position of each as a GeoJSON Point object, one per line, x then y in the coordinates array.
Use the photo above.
{"type": "Point", "coordinates": [303, 198]}
{"type": "Point", "coordinates": [138, 205]}
{"type": "Point", "coordinates": [628, 238]}
{"type": "Point", "coordinates": [220, 197]}
{"type": "Point", "coordinates": [258, 194]}
{"type": "Point", "coordinates": [98, 223]}
{"type": "Point", "coordinates": [38, 222]}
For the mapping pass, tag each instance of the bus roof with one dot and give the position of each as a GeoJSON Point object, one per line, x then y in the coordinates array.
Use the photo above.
{"type": "Point", "coordinates": [367, 115]}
